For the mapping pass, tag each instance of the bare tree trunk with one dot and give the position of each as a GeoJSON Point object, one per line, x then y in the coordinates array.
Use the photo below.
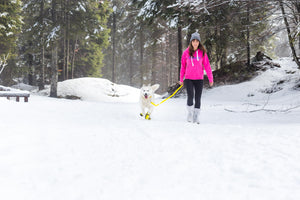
{"type": "Point", "coordinates": [289, 33]}
{"type": "Point", "coordinates": [179, 39]}
{"type": "Point", "coordinates": [73, 58]}
{"type": "Point", "coordinates": [218, 47]}
{"type": "Point", "coordinates": [297, 17]}
{"type": "Point", "coordinates": [153, 67]}
{"type": "Point", "coordinates": [164, 69]}
{"type": "Point", "coordinates": [68, 58]}
{"type": "Point", "coordinates": [42, 71]}
{"type": "Point", "coordinates": [66, 70]}
{"type": "Point", "coordinates": [114, 46]}
{"type": "Point", "coordinates": [65, 43]}
{"type": "Point", "coordinates": [168, 59]}
{"type": "Point", "coordinates": [130, 67]}
{"type": "Point", "coordinates": [65, 55]}
{"type": "Point", "coordinates": [31, 74]}
{"type": "Point", "coordinates": [54, 75]}
{"type": "Point", "coordinates": [248, 35]}
{"type": "Point", "coordinates": [142, 53]}
{"type": "Point", "coordinates": [208, 44]}
{"type": "Point", "coordinates": [42, 78]}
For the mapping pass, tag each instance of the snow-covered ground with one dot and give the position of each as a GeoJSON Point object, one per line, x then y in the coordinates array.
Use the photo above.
{"type": "Point", "coordinates": [98, 148]}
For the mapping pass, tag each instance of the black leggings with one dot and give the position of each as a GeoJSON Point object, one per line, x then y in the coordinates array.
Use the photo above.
{"type": "Point", "coordinates": [191, 86]}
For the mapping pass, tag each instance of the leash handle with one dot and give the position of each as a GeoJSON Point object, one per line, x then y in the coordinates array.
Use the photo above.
{"type": "Point", "coordinates": [168, 97]}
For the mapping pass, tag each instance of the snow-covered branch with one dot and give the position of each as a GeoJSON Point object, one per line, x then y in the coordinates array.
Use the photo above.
{"type": "Point", "coordinates": [3, 62]}
{"type": "Point", "coordinates": [264, 109]}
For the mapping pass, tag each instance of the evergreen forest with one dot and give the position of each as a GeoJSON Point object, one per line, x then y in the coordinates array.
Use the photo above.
{"type": "Point", "coordinates": [135, 42]}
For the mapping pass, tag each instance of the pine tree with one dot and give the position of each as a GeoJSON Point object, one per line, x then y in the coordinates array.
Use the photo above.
{"type": "Point", "coordinates": [89, 35]}
{"type": "Point", "coordinates": [10, 26]}
{"type": "Point", "coordinates": [68, 32]}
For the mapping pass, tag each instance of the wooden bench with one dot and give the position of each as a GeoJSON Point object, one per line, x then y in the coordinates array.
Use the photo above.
{"type": "Point", "coordinates": [9, 94]}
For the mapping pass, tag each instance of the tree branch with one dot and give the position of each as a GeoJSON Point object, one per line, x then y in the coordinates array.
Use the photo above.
{"type": "Point", "coordinates": [263, 109]}
{"type": "Point", "coordinates": [3, 63]}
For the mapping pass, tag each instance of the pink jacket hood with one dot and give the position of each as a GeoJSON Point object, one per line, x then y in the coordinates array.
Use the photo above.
{"type": "Point", "coordinates": [192, 67]}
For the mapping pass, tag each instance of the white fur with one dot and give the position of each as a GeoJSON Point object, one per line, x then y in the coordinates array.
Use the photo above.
{"type": "Point", "coordinates": [146, 97]}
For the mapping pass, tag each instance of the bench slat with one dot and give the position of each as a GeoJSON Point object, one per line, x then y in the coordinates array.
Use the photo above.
{"type": "Point", "coordinates": [9, 94]}
{"type": "Point", "coordinates": [13, 94]}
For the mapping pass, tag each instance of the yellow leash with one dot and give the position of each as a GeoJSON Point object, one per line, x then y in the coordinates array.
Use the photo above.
{"type": "Point", "coordinates": [168, 97]}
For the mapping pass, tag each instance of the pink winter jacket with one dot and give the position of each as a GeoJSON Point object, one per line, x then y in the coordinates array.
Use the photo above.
{"type": "Point", "coordinates": [192, 68]}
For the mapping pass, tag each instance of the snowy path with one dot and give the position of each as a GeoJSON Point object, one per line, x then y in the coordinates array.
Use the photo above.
{"type": "Point", "coordinates": [71, 150]}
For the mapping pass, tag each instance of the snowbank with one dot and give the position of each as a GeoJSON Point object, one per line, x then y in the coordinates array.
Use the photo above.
{"type": "Point", "coordinates": [97, 89]}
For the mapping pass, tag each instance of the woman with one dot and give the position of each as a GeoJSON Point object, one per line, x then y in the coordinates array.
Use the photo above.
{"type": "Point", "coordinates": [193, 60]}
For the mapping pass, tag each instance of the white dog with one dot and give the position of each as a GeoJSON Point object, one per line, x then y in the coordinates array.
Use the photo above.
{"type": "Point", "coordinates": [146, 97]}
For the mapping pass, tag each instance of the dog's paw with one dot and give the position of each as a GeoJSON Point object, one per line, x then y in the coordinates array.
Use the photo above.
{"type": "Point", "coordinates": [147, 116]}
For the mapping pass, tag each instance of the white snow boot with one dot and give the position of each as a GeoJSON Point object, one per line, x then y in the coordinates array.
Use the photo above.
{"type": "Point", "coordinates": [196, 117]}
{"type": "Point", "coordinates": [190, 113]}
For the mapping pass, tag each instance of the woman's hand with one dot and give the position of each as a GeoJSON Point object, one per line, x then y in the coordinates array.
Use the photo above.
{"type": "Point", "coordinates": [211, 84]}
{"type": "Point", "coordinates": [180, 83]}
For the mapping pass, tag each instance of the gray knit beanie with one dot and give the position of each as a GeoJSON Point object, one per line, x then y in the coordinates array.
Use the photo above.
{"type": "Point", "coordinates": [195, 36]}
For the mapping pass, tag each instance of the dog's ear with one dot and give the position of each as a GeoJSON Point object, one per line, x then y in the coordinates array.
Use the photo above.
{"type": "Point", "coordinates": [155, 87]}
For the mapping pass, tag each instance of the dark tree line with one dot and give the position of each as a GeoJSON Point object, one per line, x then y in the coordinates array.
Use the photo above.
{"type": "Point", "coordinates": [59, 40]}
{"type": "Point", "coordinates": [152, 35]}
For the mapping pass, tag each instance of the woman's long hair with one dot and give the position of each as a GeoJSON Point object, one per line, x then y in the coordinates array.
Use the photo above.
{"type": "Point", "coordinates": [192, 51]}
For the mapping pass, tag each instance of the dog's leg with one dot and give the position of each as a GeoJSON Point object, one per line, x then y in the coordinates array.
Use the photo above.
{"type": "Point", "coordinates": [142, 114]}
{"type": "Point", "coordinates": [150, 109]}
